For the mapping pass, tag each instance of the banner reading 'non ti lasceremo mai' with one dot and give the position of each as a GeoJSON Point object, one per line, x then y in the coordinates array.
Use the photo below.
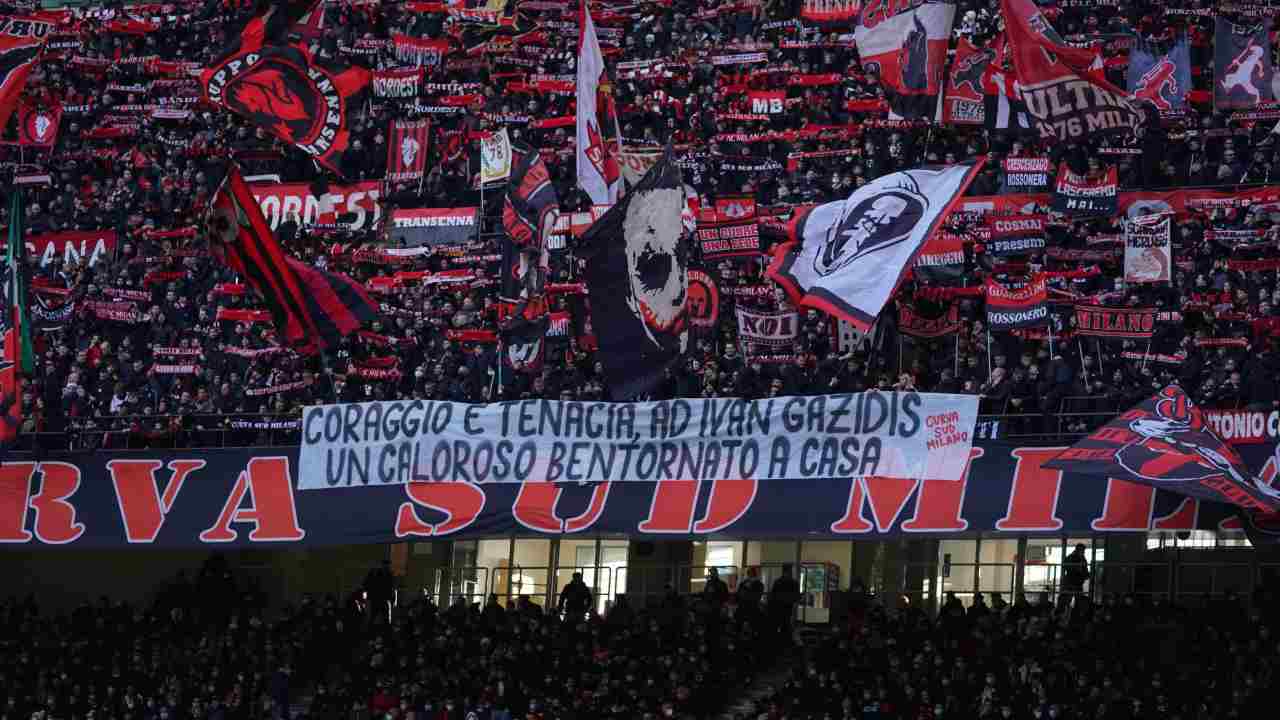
{"type": "Point", "coordinates": [892, 435]}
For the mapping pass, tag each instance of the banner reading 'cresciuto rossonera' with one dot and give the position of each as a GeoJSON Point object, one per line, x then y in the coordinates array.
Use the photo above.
{"type": "Point", "coordinates": [891, 435]}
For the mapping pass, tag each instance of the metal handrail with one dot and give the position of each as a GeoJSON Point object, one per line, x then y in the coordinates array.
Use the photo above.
{"type": "Point", "coordinates": [209, 431]}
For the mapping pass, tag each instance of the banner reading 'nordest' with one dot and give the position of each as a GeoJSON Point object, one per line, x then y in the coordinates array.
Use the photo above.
{"type": "Point", "coordinates": [888, 435]}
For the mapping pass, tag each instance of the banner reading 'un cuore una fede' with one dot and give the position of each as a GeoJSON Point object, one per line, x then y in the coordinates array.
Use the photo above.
{"type": "Point", "coordinates": [243, 498]}
{"type": "Point", "coordinates": [892, 435]}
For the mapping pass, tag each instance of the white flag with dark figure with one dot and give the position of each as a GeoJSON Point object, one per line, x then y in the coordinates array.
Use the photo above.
{"type": "Point", "coordinates": [598, 146]}
{"type": "Point", "coordinates": [847, 257]}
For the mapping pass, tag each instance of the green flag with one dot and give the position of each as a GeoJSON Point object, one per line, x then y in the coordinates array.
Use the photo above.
{"type": "Point", "coordinates": [17, 299]}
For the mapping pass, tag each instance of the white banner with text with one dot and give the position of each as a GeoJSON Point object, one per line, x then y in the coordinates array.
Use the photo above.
{"type": "Point", "coordinates": [882, 434]}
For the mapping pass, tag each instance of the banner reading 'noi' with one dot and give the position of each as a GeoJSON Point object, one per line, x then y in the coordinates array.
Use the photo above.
{"type": "Point", "coordinates": [889, 435]}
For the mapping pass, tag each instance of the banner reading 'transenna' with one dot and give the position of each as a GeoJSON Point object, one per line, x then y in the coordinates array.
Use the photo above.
{"type": "Point", "coordinates": [889, 435]}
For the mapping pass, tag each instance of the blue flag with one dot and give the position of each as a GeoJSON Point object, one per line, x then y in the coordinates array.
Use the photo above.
{"type": "Point", "coordinates": [1162, 80]}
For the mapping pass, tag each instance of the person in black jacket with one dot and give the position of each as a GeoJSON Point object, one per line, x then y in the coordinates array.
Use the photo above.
{"type": "Point", "coordinates": [782, 601]}
{"type": "Point", "coordinates": [575, 599]}
{"type": "Point", "coordinates": [379, 585]}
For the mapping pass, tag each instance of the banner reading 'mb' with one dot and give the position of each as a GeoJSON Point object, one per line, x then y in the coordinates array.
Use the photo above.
{"type": "Point", "coordinates": [887, 435]}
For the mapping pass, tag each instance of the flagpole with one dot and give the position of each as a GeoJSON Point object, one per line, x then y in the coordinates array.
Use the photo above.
{"type": "Point", "coordinates": [988, 353]}
{"type": "Point", "coordinates": [957, 355]}
{"type": "Point", "coordinates": [1050, 338]}
{"type": "Point", "coordinates": [1083, 369]}
{"type": "Point", "coordinates": [1146, 354]}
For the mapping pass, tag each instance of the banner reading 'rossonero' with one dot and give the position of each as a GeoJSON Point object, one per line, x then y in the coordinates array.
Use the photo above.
{"type": "Point", "coordinates": [890, 435]}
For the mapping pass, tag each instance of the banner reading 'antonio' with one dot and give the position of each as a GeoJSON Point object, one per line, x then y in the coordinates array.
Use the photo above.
{"type": "Point", "coordinates": [1078, 196]}
{"type": "Point", "coordinates": [887, 435]}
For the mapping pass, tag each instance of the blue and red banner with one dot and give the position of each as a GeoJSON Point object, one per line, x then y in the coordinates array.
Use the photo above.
{"type": "Point", "coordinates": [247, 498]}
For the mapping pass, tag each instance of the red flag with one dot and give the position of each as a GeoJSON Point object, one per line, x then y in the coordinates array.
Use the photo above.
{"type": "Point", "coordinates": [1064, 86]}
{"type": "Point", "coordinates": [407, 149]}
{"type": "Point", "coordinates": [1165, 442]}
{"type": "Point", "coordinates": [312, 309]}
{"type": "Point", "coordinates": [21, 39]}
{"type": "Point", "coordinates": [38, 127]}
{"type": "Point", "coordinates": [284, 90]}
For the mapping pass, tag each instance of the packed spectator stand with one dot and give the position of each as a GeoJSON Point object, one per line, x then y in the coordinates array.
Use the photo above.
{"type": "Point", "coordinates": [154, 298]}
{"type": "Point", "coordinates": [107, 315]}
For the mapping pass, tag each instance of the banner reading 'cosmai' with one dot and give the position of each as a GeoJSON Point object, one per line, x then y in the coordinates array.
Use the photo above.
{"type": "Point", "coordinates": [888, 435]}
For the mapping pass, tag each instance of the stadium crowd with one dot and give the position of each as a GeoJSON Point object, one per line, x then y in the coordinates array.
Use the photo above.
{"type": "Point", "coordinates": [100, 324]}
{"type": "Point", "coordinates": [213, 647]}
{"type": "Point", "coordinates": [1030, 660]}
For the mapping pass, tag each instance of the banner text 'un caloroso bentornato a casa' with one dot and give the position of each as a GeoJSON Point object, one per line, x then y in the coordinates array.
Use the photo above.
{"type": "Point", "coordinates": [881, 434]}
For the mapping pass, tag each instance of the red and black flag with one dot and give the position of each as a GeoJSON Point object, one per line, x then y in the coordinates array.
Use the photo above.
{"type": "Point", "coordinates": [528, 214]}
{"type": "Point", "coordinates": [21, 39]}
{"type": "Point", "coordinates": [38, 126]}
{"type": "Point", "coordinates": [1064, 86]}
{"type": "Point", "coordinates": [1165, 443]}
{"type": "Point", "coordinates": [905, 45]}
{"type": "Point", "coordinates": [283, 89]}
{"type": "Point", "coordinates": [312, 309]}
{"type": "Point", "coordinates": [530, 206]}
{"type": "Point", "coordinates": [407, 149]}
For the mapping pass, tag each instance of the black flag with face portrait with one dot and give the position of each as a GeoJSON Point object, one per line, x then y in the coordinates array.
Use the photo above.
{"type": "Point", "coordinates": [638, 282]}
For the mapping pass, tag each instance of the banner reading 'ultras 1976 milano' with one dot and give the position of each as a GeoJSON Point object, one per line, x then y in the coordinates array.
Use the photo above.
{"type": "Point", "coordinates": [890, 435]}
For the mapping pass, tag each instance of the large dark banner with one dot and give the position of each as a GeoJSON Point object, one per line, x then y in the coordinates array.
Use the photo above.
{"type": "Point", "coordinates": [638, 282]}
{"type": "Point", "coordinates": [1242, 64]}
{"type": "Point", "coordinates": [245, 498]}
